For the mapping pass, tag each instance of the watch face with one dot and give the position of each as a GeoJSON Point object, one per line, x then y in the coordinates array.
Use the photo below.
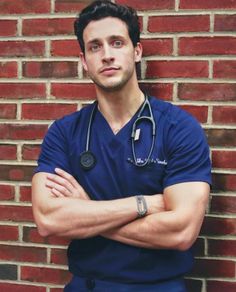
{"type": "Point", "coordinates": [141, 205]}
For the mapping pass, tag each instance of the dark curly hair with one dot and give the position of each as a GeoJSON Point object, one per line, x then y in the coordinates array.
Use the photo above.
{"type": "Point", "coordinates": [103, 8]}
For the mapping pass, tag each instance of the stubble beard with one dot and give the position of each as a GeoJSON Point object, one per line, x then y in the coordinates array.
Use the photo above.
{"type": "Point", "coordinates": [113, 87]}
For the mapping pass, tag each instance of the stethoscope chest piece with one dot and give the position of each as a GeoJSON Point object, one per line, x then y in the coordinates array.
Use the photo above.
{"type": "Point", "coordinates": [87, 160]}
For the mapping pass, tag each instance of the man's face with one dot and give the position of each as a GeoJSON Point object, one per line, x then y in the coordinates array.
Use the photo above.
{"type": "Point", "coordinates": [109, 55]}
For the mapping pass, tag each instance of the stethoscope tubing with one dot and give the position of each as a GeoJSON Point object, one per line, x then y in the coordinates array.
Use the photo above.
{"type": "Point", "coordinates": [134, 127]}
{"type": "Point", "coordinates": [88, 159]}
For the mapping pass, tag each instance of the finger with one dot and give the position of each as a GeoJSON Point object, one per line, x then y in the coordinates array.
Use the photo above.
{"type": "Point", "coordinates": [67, 176]}
{"type": "Point", "coordinates": [59, 188]}
{"type": "Point", "coordinates": [56, 193]}
{"type": "Point", "coordinates": [57, 179]}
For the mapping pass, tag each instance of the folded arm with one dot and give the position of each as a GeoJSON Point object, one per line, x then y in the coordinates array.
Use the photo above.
{"type": "Point", "coordinates": [176, 228]}
{"type": "Point", "coordinates": [62, 207]}
{"type": "Point", "coordinates": [170, 223]}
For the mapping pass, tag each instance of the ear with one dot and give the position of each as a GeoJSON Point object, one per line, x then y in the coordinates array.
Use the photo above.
{"type": "Point", "coordinates": [82, 57]}
{"type": "Point", "coordinates": [138, 51]}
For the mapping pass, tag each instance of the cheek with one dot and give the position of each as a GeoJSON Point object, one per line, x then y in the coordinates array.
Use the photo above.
{"type": "Point", "coordinates": [91, 64]}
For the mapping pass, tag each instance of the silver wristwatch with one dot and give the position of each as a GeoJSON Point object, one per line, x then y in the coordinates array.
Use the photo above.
{"type": "Point", "coordinates": [141, 206]}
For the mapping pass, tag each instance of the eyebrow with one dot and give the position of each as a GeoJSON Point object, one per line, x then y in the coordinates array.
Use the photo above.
{"type": "Point", "coordinates": [112, 37]}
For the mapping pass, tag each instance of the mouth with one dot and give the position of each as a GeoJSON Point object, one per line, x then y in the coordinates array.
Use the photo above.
{"type": "Point", "coordinates": [109, 69]}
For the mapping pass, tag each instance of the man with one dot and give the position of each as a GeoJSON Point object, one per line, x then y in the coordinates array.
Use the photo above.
{"type": "Point", "coordinates": [126, 178]}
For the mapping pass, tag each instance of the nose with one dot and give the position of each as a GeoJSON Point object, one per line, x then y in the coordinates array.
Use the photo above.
{"type": "Point", "coordinates": [107, 55]}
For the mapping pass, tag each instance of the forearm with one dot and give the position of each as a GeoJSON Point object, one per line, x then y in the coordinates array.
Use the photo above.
{"type": "Point", "coordinates": [176, 227]}
{"type": "Point", "coordinates": [157, 231]}
{"type": "Point", "coordinates": [76, 218]}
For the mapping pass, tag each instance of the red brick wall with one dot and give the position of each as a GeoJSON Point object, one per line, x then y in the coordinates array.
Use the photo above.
{"type": "Point", "coordinates": [189, 59]}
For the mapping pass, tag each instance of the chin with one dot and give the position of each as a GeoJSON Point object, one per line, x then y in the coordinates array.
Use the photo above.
{"type": "Point", "coordinates": [111, 86]}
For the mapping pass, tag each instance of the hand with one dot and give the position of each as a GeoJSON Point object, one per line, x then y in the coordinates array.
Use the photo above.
{"type": "Point", "coordinates": [62, 184]}
{"type": "Point", "coordinates": [155, 204]}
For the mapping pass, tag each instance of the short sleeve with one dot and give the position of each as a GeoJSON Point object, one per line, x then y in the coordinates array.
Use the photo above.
{"type": "Point", "coordinates": [53, 150]}
{"type": "Point", "coordinates": [188, 153]}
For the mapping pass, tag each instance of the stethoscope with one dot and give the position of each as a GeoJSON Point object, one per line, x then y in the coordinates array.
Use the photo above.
{"type": "Point", "coordinates": [88, 159]}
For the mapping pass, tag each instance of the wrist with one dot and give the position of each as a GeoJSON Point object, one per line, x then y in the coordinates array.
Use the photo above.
{"type": "Point", "coordinates": [141, 206]}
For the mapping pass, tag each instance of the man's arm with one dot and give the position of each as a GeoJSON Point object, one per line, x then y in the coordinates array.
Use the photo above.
{"type": "Point", "coordinates": [174, 225]}
{"type": "Point", "coordinates": [176, 228]}
{"type": "Point", "coordinates": [76, 216]}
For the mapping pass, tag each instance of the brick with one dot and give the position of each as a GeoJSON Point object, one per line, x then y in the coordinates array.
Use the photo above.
{"type": "Point", "coordinates": [209, 4]}
{"type": "Point", "coordinates": [190, 46]}
{"type": "Point", "coordinates": [213, 268]}
{"type": "Point", "coordinates": [148, 5]}
{"type": "Point", "coordinates": [22, 48]}
{"type": "Point", "coordinates": [25, 193]}
{"type": "Point", "coordinates": [21, 288]}
{"type": "Point", "coordinates": [23, 254]}
{"type": "Point", "coordinates": [16, 213]}
{"type": "Point", "coordinates": [46, 69]}
{"type": "Point", "coordinates": [7, 111]}
{"type": "Point", "coordinates": [8, 27]}
{"type": "Point", "coordinates": [219, 286]}
{"type": "Point", "coordinates": [51, 26]}
{"type": "Point", "coordinates": [224, 182]}
{"type": "Point", "coordinates": [8, 69]}
{"type": "Point", "coordinates": [221, 137]}
{"type": "Point", "coordinates": [22, 90]}
{"type": "Point", "coordinates": [199, 112]}
{"type": "Point", "coordinates": [207, 91]}
{"type": "Point", "coordinates": [161, 47]}
{"type": "Point", "coordinates": [223, 204]}
{"type": "Point", "coordinates": [224, 115]}
{"type": "Point", "coordinates": [65, 48]}
{"type": "Point", "coordinates": [8, 152]}
{"type": "Point", "coordinates": [224, 69]}
{"type": "Point", "coordinates": [30, 234]}
{"type": "Point", "coordinates": [7, 272]}
{"type": "Point", "coordinates": [218, 247]}
{"type": "Point", "coordinates": [59, 256]}
{"type": "Point", "coordinates": [224, 159]}
{"type": "Point", "coordinates": [55, 290]}
{"type": "Point", "coordinates": [218, 226]}
{"type": "Point", "coordinates": [193, 285]}
{"type": "Point", "coordinates": [177, 69]}
{"type": "Point", "coordinates": [225, 22]}
{"type": "Point", "coordinates": [161, 90]}
{"type": "Point", "coordinates": [30, 152]}
{"type": "Point", "coordinates": [7, 192]}
{"type": "Point", "coordinates": [73, 90]}
{"type": "Point", "coordinates": [70, 5]}
{"type": "Point", "coordinates": [9, 233]}
{"type": "Point", "coordinates": [46, 111]}
{"type": "Point", "coordinates": [180, 23]}
{"type": "Point", "coordinates": [22, 131]}
{"type": "Point", "coordinates": [16, 172]}
{"type": "Point", "coordinates": [44, 275]}
{"type": "Point", "coordinates": [24, 6]}
{"type": "Point", "coordinates": [199, 247]}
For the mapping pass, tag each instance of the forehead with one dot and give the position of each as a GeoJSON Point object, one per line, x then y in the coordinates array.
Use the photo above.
{"type": "Point", "coordinates": [104, 28]}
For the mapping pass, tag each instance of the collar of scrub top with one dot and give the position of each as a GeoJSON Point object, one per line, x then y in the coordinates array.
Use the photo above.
{"type": "Point", "coordinates": [88, 159]}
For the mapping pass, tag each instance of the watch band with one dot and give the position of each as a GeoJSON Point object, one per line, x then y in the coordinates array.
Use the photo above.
{"type": "Point", "coordinates": [141, 206]}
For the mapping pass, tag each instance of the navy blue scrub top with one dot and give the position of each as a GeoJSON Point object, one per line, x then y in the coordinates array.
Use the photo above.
{"type": "Point", "coordinates": [181, 154]}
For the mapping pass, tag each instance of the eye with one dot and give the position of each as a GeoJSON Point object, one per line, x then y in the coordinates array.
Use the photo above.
{"type": "Point", "coordinates": [94, 47]}
{"type": "Point", "coordinates": [117, 43]}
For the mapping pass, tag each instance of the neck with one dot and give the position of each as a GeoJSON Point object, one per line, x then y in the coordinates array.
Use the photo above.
{"type": "Point", "coordinates": [119, 107]}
